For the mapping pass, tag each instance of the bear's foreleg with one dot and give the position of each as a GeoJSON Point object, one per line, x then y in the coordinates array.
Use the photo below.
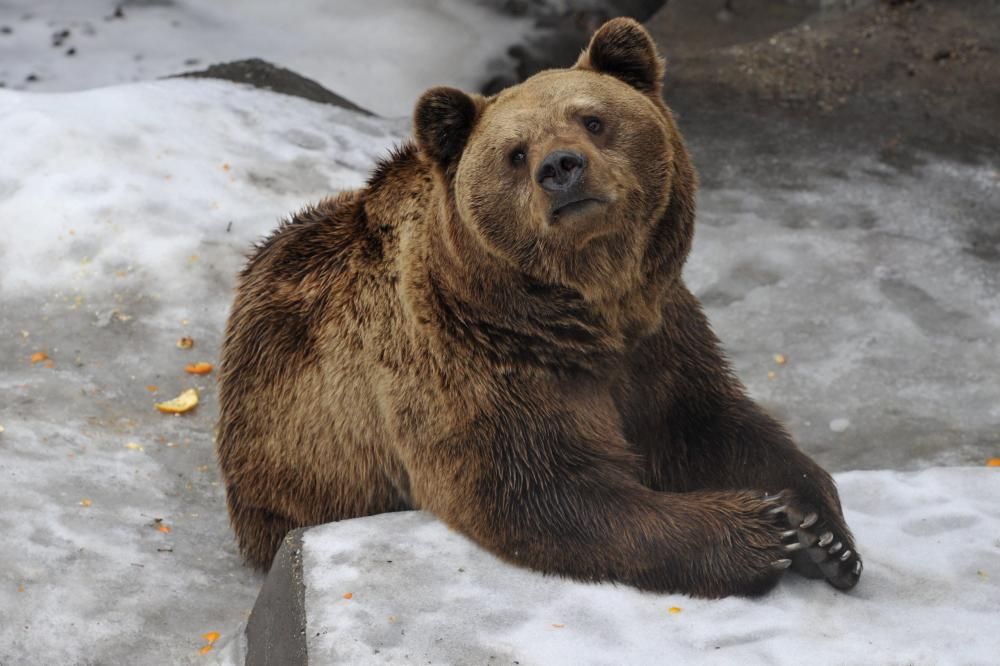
{"type": "Point", "coordinates": [696, 429]}
{"type": "Point", "coordinates": [560, 493]}
{"type": "Point", "coordinates": [741, 446]}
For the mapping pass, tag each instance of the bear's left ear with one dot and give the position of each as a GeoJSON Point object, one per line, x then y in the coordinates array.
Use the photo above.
{"type": "Point", "coordinates": [623, 49]}
{"type": "Point", "coordinates": [443, 121]}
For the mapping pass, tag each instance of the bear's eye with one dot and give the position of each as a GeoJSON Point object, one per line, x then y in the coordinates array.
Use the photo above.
{"type": "Point", "coordinates": [517, 157]}
{"type": "Point", "coordinates": [593, 125]}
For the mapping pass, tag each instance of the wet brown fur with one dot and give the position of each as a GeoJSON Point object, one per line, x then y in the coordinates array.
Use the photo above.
{"type": "Point", "coordinates": [555, 393]}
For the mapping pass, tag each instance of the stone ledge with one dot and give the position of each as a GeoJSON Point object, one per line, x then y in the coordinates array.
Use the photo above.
{"type": "Point", "coordinates": [275, 632]}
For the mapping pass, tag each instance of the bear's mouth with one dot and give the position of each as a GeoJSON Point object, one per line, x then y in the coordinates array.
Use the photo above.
{"type": "Point", "coordinates": [573, 206]}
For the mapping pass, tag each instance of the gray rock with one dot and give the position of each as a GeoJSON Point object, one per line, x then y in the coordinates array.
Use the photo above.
{"type": "Point", "coordinates": [262, 74]}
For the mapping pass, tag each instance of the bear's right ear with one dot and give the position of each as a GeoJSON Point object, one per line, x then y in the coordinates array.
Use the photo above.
{"type": "Point", "coordinates": [443, 121]}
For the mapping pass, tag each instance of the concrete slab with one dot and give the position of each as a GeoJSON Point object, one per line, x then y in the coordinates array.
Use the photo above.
{"type": "Point", "coordinates": [402, 588]}
{"type": "Point", "coordinates": [275, 632]}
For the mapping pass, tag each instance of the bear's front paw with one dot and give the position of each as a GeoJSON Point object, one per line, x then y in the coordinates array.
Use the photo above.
{"type": "Point", "coordinates": [761, 547]}
{"type": "Point", "coordinates": [820, 548]}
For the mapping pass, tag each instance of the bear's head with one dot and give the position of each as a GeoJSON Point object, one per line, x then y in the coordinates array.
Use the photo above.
{"type": "Point", "coordinates": [576, 177]}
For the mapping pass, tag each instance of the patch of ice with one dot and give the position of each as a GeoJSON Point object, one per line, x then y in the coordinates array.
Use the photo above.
{"type": "Point", "coordinates": [381, 57]}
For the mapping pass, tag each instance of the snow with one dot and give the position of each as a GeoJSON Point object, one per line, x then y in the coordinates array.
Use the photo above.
{"type": "Point", "coordinates": [381, 59]}
{"type": "Point", "coordinates": [150, 191]}
{"type": "Point", "coordinates": [421, 593]}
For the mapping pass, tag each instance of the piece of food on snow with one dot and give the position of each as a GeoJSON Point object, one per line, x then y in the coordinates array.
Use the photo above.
{"type": "Point", "coordinates": [185, 402]}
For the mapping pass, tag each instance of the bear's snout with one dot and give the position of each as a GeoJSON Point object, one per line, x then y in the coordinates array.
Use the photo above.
{"type": "Point", "coordinates": [561, 171]}
{"type": "Point", "coordinates": [561, 176]}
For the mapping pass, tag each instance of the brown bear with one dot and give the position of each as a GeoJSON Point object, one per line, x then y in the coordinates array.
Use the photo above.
{"type": "Point", "coordinates": [495, 330]}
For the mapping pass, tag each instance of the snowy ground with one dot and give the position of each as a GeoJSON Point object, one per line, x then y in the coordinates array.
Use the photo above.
{"type": "Point", "coordinates": [382, 59]}
{"type": "Point", "coordinates": [125, 213]}
{"type": "Point", "coordinates": [862, 274]}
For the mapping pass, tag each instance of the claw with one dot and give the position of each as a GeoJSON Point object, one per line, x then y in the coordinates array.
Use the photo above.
{"type": "Point", "coordinates": [788, 533]}
{"type": "Point", "coordinates": [825, 539]}
{"type": "Point", "coordinates": [772, 498]}
{"type": "Point", "coordinates": [779, 509]}
{"type": "Point", "coordinates": [809, 521]}
{"type": "Point", "coordinates": [783, 563]}
{"type": "Point", "coordinates": [792, 547]}
{"type": "Point", "coordinates": [835, 547]}
{"type": "Point", "coordinates": [845, 556]}
{"type": "Point", "coordinates": [857, 568]}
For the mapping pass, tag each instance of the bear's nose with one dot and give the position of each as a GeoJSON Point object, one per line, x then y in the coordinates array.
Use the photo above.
{"type": "Point", "coordinates": [561, 170]}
